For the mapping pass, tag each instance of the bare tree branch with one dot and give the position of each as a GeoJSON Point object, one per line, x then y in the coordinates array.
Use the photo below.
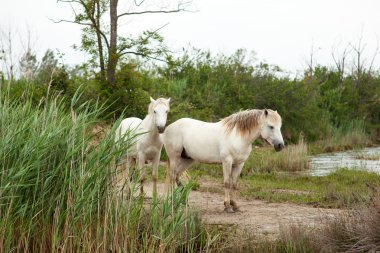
{"type": "Point", "coordinates": [143, 55]}
{"type": "Point", "coordinates": [139, 4]}
{"type": "Point", "coordinates": [147, 38]}
{"type": "Point", "coordinates": [89, 16]}
{"type": "Point", "coordinates": [70, 21]}
{"type": "Point", "coordinates": [374, 55]}
{"type": "Point", "coordinates": [180, 7]}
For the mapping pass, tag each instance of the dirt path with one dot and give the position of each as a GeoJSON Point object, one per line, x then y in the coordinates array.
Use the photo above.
{"type": "Point", "coordinates": [260, 217]}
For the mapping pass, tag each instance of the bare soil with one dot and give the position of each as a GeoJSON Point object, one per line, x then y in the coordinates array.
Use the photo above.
{"type": "Point", "coordinates": [256, 216]}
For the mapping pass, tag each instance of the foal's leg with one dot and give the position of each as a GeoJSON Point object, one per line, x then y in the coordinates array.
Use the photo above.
{"type": "Point", "coordinates": [155, 164]}
{"type": "Point", "coordinates": [236, 170]}
{"type": "Point", "coordinates": [127, 170]}
{"type": "Point", "coordinates": [141, 164]}
{"type": "Point", "coordinates": [227, 164]}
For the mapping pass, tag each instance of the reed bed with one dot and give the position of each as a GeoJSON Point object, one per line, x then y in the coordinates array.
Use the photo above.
{"type": "Point", "coordinates": [57, 192]}
{"type": "Point", "coordinates": [350, 136]}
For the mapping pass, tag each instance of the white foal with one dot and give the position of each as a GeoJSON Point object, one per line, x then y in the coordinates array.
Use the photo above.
{"type": "Point", "coordinates": [227, 142]}
{"type": "Point", "coordinates": [148, 144]}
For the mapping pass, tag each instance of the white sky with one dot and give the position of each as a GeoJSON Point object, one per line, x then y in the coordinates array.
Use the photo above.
{"type": "Point", "coordinates": [281, 32]}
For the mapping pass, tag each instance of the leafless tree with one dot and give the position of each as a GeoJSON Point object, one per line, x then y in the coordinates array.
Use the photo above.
{"type": "Point", "coordinates": [7, 56]}
{"type": "Point", "coordinates": [340, 58]}
{"type": "Point", "coordinates": [310, 62]}
{"type": "Point", "coordinates": [361, 64]}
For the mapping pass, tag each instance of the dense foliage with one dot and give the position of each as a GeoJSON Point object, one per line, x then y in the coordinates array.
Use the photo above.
{"type": "Point", "coordinates": [210, 87]}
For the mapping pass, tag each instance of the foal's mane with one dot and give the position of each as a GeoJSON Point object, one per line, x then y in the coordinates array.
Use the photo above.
{"type": "Point", "coordinates": [244, 121]}
{"type": "Point", "coordinates": [158, 101]}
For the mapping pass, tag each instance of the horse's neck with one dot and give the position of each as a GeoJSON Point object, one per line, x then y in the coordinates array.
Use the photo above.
{"type": "Point", "coordinates": [247, 140]}
{"type": "Point", "coordinates": [255, 133]}
{"type": "Point", "coordinates": [149, 125]}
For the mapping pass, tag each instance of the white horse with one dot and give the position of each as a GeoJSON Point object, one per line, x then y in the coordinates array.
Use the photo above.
{"type": "Point", "coordinates": [148, 144]}
{"type": "Point", "coordinates": [227, 142]}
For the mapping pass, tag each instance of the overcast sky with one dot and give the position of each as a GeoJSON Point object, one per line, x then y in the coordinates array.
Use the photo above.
{"type": "Point", "coordinates": [281, 32]}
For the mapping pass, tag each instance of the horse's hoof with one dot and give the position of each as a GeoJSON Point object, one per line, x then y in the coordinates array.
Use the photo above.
{"type": "Point", "coordinates": [228, 209]}
{"type": "Point", "coordinates": [236, 209]}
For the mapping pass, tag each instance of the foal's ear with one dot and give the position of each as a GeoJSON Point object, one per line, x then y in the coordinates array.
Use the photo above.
{"type": "Point", "coordinates": [152, 100]}
{"type": "Point", "coordinates": [168, 100]}
{"type": "Point", "coordinates": [266, 112]}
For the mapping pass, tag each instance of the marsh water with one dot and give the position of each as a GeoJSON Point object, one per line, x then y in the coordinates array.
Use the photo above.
{"type": "Point", "coordinates": [324, 164]}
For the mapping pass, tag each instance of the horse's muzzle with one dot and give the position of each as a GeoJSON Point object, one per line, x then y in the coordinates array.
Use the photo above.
{"type": "Point", "coordinates": [161, 129]}
{"type": "Point", "coordinates": [279, 146]}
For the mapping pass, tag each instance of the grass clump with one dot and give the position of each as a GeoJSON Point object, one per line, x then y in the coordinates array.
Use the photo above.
{"type": "Point", "coordinates": [292, 158]}
{"type": "Point", "coordinates": [57, 189]}
{"type": "Point", "coordinates": [350, 136]}
{"type": "Point", "coordinates": [353, 231]}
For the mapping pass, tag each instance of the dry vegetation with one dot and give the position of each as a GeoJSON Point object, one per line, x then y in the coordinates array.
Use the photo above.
{"type": "Point", "coordinates": [344, 138]}
{"type": "Point", "coordinates": [292, 158]}
{"type": "Point", "coordinates": [357, 230]}
{"type": "Point", "coordinates": [372, 157]}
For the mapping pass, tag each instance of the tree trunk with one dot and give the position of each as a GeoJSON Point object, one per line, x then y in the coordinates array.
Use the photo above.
{"type": "Point", "coordinates": [100, 45]}
{"type": "Point", "coordinates": [112, 52]}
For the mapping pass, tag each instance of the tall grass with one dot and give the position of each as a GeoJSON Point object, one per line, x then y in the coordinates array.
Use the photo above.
{"type": "Point", "coordinates": [350, 136]}
{"type": "Point", "coordinates": [292, 158]}
{"type": "Point", "coordinates": [57, 192]}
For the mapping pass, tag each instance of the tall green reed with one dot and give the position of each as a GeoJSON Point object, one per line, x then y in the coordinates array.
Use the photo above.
{"type": "Point", "coordinates": [57, 189]}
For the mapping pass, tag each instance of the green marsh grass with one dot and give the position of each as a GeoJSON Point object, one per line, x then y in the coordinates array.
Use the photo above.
{"type": "Point", "coordinates": [57, 192]}
{"type": "Point", "coordinates": [340, 189]}
{"type": "Point", "coordinates": [343, 188]}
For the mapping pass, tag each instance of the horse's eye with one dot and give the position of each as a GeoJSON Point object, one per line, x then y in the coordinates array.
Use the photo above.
{"type": "Point", "coordinates": [271, 127]}
{"type": "Point", "coordinates": [155, 111]}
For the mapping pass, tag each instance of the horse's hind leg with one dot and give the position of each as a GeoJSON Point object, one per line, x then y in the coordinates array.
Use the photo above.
{"type": "Point", "coordinates": [175, 167]}
{"type": "Point", "coordinates": [236, 170]}
{"type": "Point", "coordinates": [181, 167]}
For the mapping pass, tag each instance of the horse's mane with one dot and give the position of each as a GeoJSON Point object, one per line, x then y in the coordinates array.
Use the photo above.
{"type": "Point", "coordinates": [244, 121]}
{"type": "Point", "coordinates": [158, 101]}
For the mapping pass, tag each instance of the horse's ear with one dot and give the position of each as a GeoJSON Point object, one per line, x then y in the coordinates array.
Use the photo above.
{"type": "Point", "coordinates": [168, 100]}
{"type": "Point", "coordinates": [152, 100]}
{"type": "Point", "coordinates": [266, 112]}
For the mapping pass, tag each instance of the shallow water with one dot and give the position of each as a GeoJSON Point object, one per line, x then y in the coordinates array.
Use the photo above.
{"type": "Point", "coordinates": [324, 164]}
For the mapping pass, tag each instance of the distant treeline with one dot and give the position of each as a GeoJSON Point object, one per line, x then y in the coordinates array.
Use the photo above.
{"type": "Point", "coordinates": [208, 87]}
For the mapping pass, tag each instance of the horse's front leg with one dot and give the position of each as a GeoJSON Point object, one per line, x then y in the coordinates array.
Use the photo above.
{"type": "Point", "coordinates": [236, 170]}
{"type": "Point", "coordinates": [155, 163]}
{"type": "Point", "coordinates": [227, 164]}
{"type": "Point", "coordinates": [141, 164]}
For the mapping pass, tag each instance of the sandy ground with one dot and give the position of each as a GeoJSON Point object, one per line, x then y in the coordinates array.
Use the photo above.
{"type": "Point", "coordinates": [256, 216]}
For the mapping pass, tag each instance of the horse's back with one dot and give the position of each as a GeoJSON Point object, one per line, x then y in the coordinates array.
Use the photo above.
{"type": "Point", "coordinates": [191, 134]}
{"type": "Point", "coordinates": [190, 123]}
{"type": "Point", "coordinates": [128, 125]}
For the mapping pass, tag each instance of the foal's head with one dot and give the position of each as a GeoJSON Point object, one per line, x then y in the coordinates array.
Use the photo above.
{"type": "Point", "coordinates": [159, 110]}
{"type": "Point", "coordinates": [271, 129]}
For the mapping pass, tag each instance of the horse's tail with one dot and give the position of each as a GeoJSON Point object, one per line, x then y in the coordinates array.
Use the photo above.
{"type": "Point", "coordinates": [168, 174]}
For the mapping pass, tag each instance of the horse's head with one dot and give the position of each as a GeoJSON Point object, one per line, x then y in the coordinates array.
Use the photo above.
{"type": "Point", "coordinates": [159, 109]}
{"type": "Point", "coordinates": [271, 129]}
